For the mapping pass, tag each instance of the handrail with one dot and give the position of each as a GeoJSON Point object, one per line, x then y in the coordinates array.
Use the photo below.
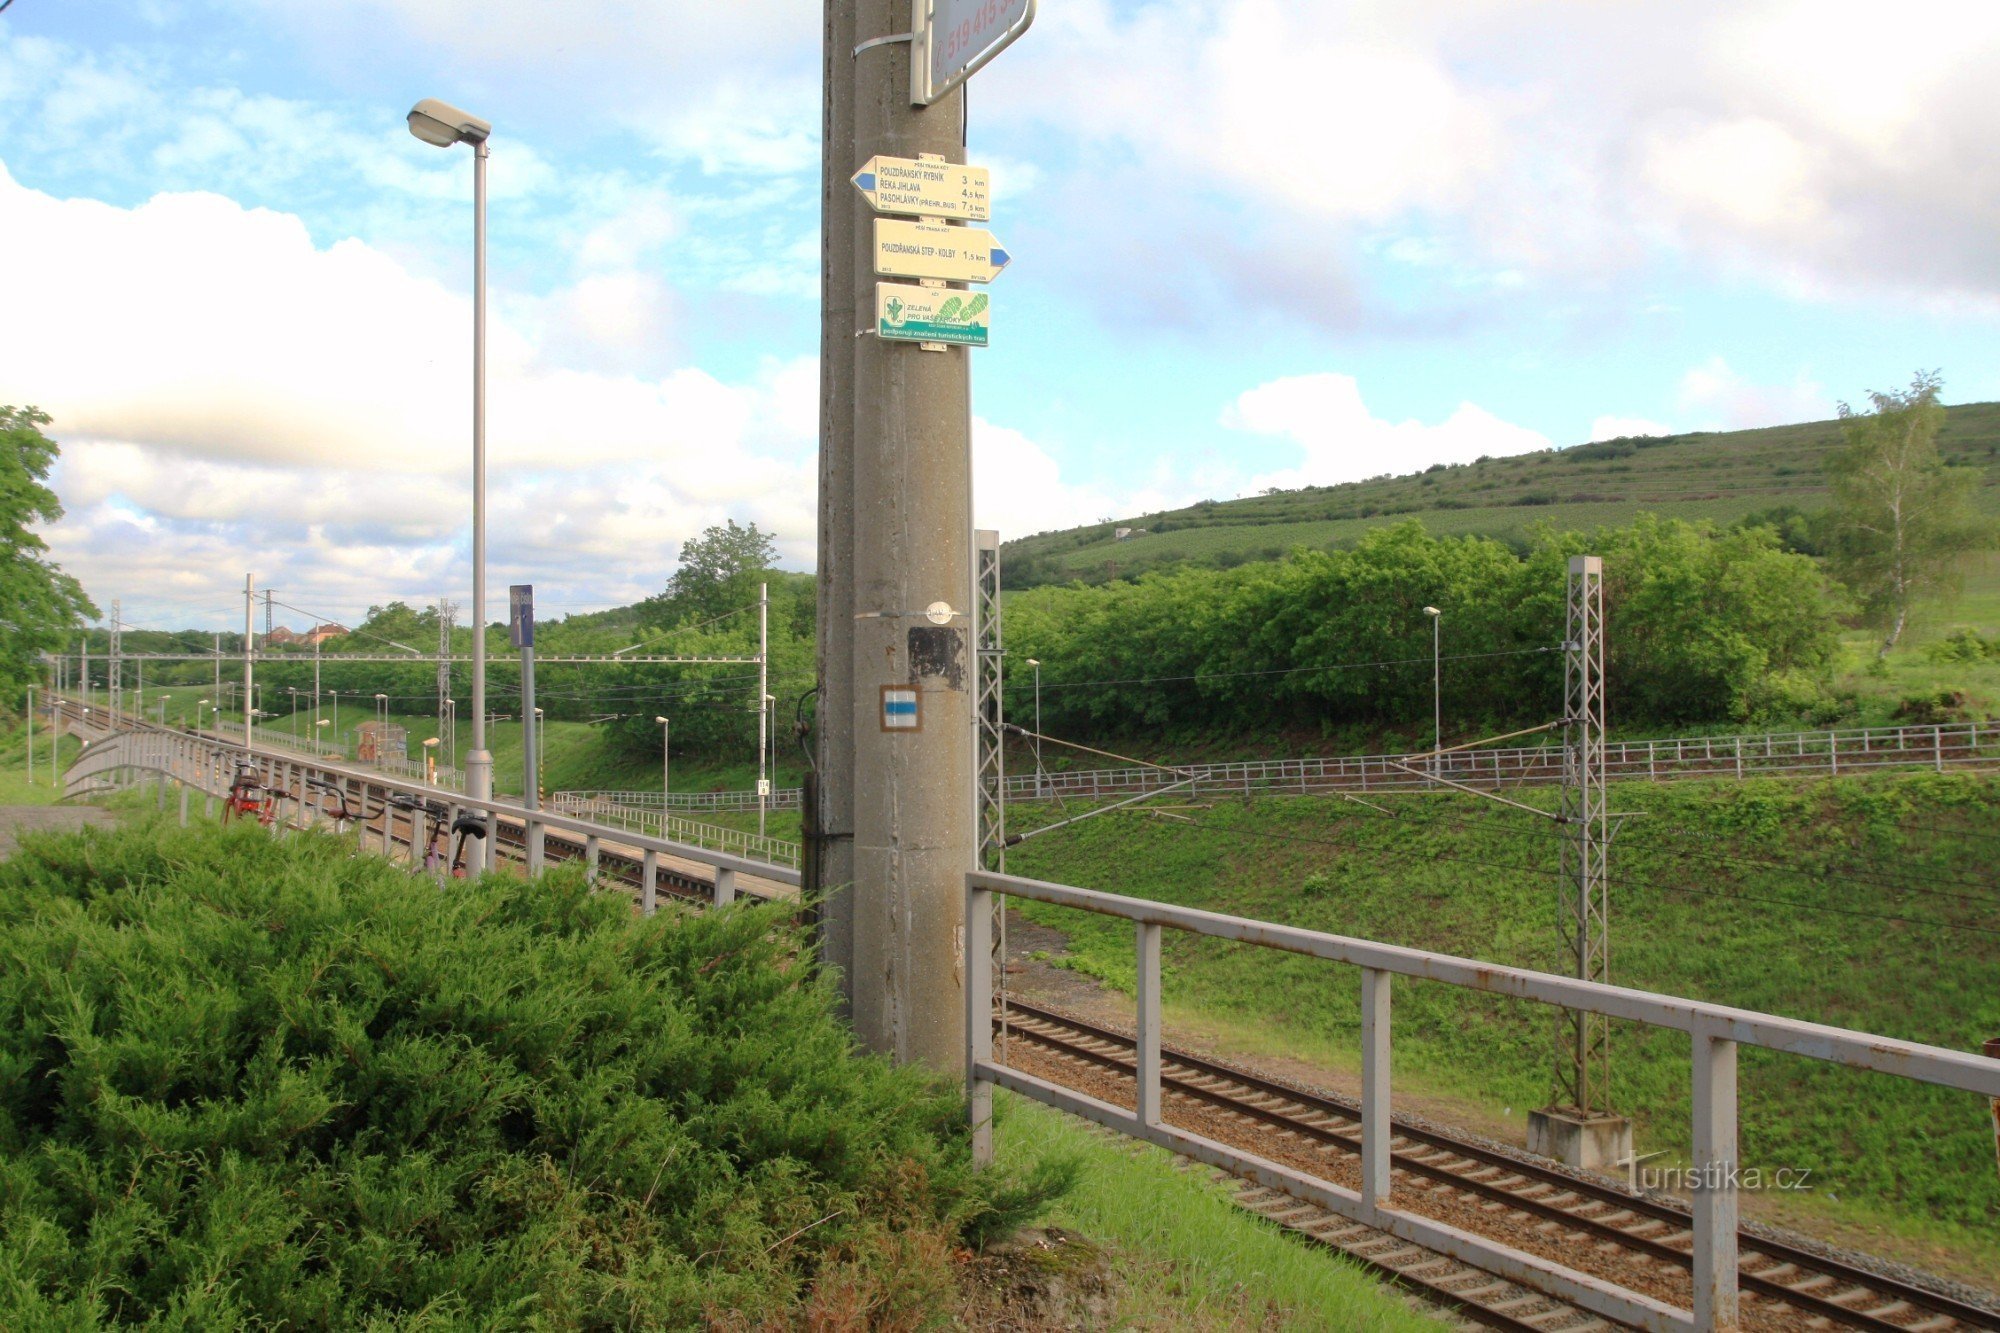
{"type": "Point", "coordinates": [1715, 1032]}
{"type": "Point", "coordinates": [205, 762]}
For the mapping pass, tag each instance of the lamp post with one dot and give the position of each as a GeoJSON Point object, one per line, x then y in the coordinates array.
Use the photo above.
{"type": "Point", "coordinates": [336, 715]}
{"type": "Point", "coordinates": [1036, 664]}
{"type": "Point", "coordinates": [381, 728]}
{"type": "Point", "coordinates": [445, 126]}
{"type": "Point", "coordinates": [430, 760]}
{"type": "Point", "coordinates": [1437, 697]}
{"type": "Point", "coordinates": [541, 750]}
{"type": "Point", "coordinates": [320, 743]}
{"type": "Point", "coordinates": [666, 774]}
{"type": "Point", "coordinates": [163, 708]}
{"type": "Point", "coordinates": [293, 720]}
{"type": "Point", "coordinates": [199, 704]}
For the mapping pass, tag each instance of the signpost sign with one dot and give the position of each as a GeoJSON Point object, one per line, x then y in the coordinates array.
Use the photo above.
{"type": "Point", "coordinates": [521, 633]}
{"type": "Point", "coordinates": [955, 38]}
{"type": "Point", "coordinates": [908, 313]}
{"type": "Point", "coordinates": [935, 250]}
{"type": "Point", "coordinates": [926, 189]}
{"type": "Point", "coordinates": [521, 614]}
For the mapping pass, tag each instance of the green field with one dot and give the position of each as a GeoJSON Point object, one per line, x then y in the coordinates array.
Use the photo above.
{"type": "Point", "coordinates": [1704, 475]}
{"type": "Point", "coordinates": [1867, 903]}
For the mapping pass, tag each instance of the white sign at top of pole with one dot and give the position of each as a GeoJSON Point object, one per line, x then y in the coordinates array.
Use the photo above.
{"type": "Point", "coordinates": [955, 38]}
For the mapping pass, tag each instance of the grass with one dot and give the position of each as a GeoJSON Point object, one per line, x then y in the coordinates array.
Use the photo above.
{"type": "Point", "coordinates": [1719, 476]}
{"type": "Point", "coordinates": [1864, 902]}
{"type": "Point", "coordinates": [1190, 1258]}
{"type": "Point", "coordinates": [15, 788]}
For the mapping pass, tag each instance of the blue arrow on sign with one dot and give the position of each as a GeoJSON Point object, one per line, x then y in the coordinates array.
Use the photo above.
{"type": "Point", "coordinates": [1000, 258]}
{"type": "Point", "coordinates": [866, 181]}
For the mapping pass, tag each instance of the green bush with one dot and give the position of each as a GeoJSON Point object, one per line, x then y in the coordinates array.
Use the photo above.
{"type": "Point", "coordinates": [255, 1083]}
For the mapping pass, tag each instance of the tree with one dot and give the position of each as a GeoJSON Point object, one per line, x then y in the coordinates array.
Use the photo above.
{"type": "Point", "coordinates": [718, 574]}
{"type": "Point", "coordinates": [1900, 517]}
{"type": "Point", "coordinates": [39, 604]}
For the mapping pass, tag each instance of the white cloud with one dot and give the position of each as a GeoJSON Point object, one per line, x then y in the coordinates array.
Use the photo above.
{"type": "Point", "coordinates": [1716, 395]}
{"type": "Point", "coordinates": [1343, 441]}
{"type": "Point", "coordinates": [1018, 488]}
{"type": "Point", "coordinates": [232, 396]}
{"type": "Point", "coordinates": [1620, 428]}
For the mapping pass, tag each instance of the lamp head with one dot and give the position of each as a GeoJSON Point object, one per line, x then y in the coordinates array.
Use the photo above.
{"type": "Point", "coordinates": [444, 125]}
{"type": "Point", "coordinates": [662, 721]}
{"type": "Point", "coordinates": [1034, 661]}
{"type": "Point", "coordinates": [1432, 611]}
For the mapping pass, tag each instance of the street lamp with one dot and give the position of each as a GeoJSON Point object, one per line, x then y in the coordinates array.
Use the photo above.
{"type": "Point", "coordinates": [316, 726]}
{"type": "Point", "coordinates": [430, 760]}
{"type": "Point", "coordinates": [768, 730]}
{"type": "Point", "coordinates": [163, 708]}
{"type": "Point", "coordinates": [445, 126]}
{"type": "Point", "coordinates": [666, 755]}
{"type": "Point", "coordinates": [1036, 664]}
{"type": "Point", "coordinates": [199, 704]}
{"type": "Point", "coordinates": [1437, 698]}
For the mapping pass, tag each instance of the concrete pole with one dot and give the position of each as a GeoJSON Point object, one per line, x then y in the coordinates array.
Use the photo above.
{"type": "Point", "coordinates": [763, 704]}
{"type": "Point", "coordinates": [828, 869]}
{"type": "Point", "coordinates": [31, 736]}
{"type": "Point", "coordinates": [218, 671]}
{"type": "Point", "coordinates": [479, 760]}
{"type": "Point", "coordinates": [909, 509]}
{"type": "Point", "coordinates": [249, 658]}
{"type": "Point", "coordinates": [531, 791]}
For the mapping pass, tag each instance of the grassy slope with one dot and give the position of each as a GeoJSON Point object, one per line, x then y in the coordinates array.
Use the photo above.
{"type": "Point", "coordinates": [1464, 876]}
{"type": "Point", "coordinates": [1702, 475]}
{"type": "Point", "coordinates": [1191, 1258]}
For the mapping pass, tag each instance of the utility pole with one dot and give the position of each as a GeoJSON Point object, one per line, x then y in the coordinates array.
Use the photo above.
{"type": "Point", "coordinates": [1578, 1126]}
{"type": "Point", "coordinates": [115, 687]}
{"type": "Point", "coordinates": [249, 659]}
{"type": "Point", "coordinates": [828, 814]}
{"type": "Point", "coordinates": [894, 818]}
{"type": "Point", "coordinates": [218, 672]}
{"type": "Point", "coordinates": [267, 616]}
{"type": "Point", "coordinates": [763, 702]}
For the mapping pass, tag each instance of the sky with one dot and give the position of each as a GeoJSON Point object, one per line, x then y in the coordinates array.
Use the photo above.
{"type": "Point", "coordinates": [1254, 244]}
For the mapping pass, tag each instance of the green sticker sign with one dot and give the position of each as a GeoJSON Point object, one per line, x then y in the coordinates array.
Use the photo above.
{"type": "Point", "coordinates": [907, 313]}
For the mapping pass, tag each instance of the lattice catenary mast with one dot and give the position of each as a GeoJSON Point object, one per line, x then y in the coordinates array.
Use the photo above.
{"type": "Point", "coordinates": [1583, 1056]}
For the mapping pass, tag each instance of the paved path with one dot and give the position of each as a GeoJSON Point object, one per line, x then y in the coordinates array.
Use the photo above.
{"type": "Point", "coordinates": [18, 819]}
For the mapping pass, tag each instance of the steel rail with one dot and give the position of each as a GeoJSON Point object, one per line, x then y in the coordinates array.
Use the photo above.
{"type": "Point", "coordinates": [1589, 1194]}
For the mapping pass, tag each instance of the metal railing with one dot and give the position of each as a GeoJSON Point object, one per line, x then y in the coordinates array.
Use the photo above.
{"type": "Point", "coordinates": [1715, 1032]}
{"type": "Point", "coordinates": [450, 779]}
{"type": "Point", "coordinates": [1775, 754]}
{"type": "Point", "coordinates": [754, 845]}
{"type": "Point", "coordinates": [1770, 754]}
{"type": "Point", "coordinates": [786, 798]}
{"type": "Point", "coordinates": [207, 765]}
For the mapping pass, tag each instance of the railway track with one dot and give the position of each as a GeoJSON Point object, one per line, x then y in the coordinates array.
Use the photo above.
{"type": "Point", "coordinates": [1621, 1234]}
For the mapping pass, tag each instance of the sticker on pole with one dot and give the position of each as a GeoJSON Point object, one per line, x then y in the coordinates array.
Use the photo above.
{"type": "Point", "coordinates": [902, 708]}
{"type": "Point", "coordinates": [955, 38]}
{"type": "Point", "coordinates": [907, 313]}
